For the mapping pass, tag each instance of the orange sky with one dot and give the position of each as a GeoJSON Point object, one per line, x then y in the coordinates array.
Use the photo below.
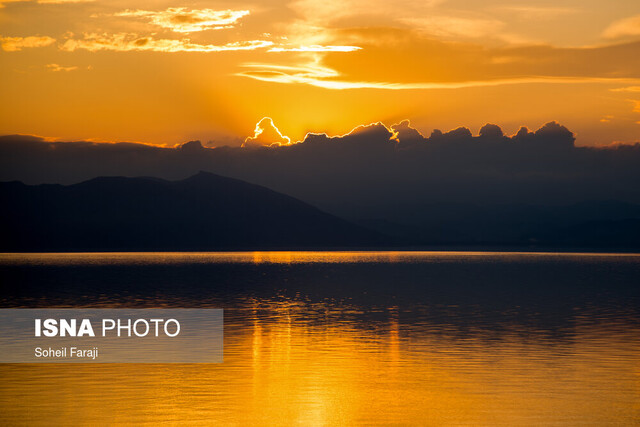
{"type": "Point", "coordinates": [165, 72]}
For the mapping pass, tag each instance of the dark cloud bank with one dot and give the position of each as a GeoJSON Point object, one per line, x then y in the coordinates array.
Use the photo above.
{"type": "Point", "coordinates": [449, 187]}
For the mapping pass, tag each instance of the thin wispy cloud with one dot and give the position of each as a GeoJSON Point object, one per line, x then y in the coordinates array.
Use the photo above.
{"type": "Point", "coordinates": [455, 26]}
{"type": "Point", "coordinates": [56, 68]}
{"type": "Point", "coordinates": [327, 78]}
{"type": "Point", "coordinates": [623, 28]}
{"type": "Point", "coordinates": [627, 89]}
{"type": "Point", "coordinates": [631, 90]}
{"type": "Point", "coordinates": [125, 42]}
{"type": "Point", "coordinates": [14, 44]}
{"type": "Point", "coordinates": [183, 20]}
{"type": "Point", "coordinates": [324, 11]}
{"type": "Point", "coordinates": [63, 1]}
{"type": "Point", "coordinates": [3, 2]}
{"type": "Point", "coordinates": [542, 12]}
{"type": "Point", "coordinates": [315, 48]}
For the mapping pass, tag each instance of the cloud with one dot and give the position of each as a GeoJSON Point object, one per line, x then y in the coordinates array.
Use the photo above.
{"type": "Point", "coordinates": [44, 1]}
{"type": "Point", "coordinates": [191, 147]}
{"type": "Point", "coordinates": [315, 48]}
{"type": "Point", "coordinates": [407, 136]}
{"type": "Point", "coordinates": [266, 134]}
{"type": "Point", "coordinates": [456, 26]}
{"type": "Point", "coordinates": [623, 28]}
{"type": "Point", "coordinates": [627, 89]}
{"type": "Point", "coordinates": [307, 74]}
{"type": "Point", "coordinates": [635, 102]}
{"type": "Point", "coordinates": [183, 20]}
{"type": "Point", "coordinates": [124, 42]}
{"type": "Point", "coordinates": [363, 136]}
{"type": "Point", "coordinates": [327, 11]}
{"type": "Point", "coordinates": [58, 68]}
{"type": "Point", "coordinates": [400, 59]}
{"type": "Point", "coordinates": [324, 77]}
{"type": "Point", "coordinates": [428, 17]}
{"type": "Point", "coordinates": [417, 56]}
{"type": "Point", "coordinates": [63, 1]}
{"type": "Point", "coordinates": [540, 12]}
{"type": "Point", "coordinates": [370, 170]}
{"type": "Point", "coordinates": [14, 44]}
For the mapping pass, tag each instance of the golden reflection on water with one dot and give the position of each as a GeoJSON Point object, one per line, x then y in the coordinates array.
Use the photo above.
{"type": "Point", "coordinates": [291, 366]}
{"type": "Point", "coordinates": [296, 360]}
{"type": "Point", "coordinates": [280, 257]}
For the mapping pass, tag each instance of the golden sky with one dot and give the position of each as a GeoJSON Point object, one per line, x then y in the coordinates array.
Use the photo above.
{"type": "Point", "coordinates": [166, 72]}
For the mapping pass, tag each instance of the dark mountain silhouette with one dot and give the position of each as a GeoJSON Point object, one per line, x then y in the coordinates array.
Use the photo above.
{"type": "Point", "coordinates": [203, 212]}
{"type": "Point", "coordinates": [610, 225]}
{"type": "Point", "coordinates": [211, 212]}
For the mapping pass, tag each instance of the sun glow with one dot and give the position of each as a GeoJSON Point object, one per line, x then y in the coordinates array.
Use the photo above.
{"type": "Point", "coordinates": [266, 134]}
{"type": "Point", "coordinates": [187, 72]}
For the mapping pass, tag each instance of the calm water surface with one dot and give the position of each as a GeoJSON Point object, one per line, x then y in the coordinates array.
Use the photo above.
{"type": "Point", "coordinates": [345, 338]}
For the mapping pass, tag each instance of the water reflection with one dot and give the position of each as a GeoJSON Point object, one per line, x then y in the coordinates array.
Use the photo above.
{"type": "Point", "coordinates": [437, 339]}
{"type": "Point", "coordinates": [284, 257]}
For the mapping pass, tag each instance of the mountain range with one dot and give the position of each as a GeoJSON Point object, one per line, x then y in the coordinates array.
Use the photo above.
{"type": "Point", "coordinates": [212, 212]}
{"type": "Point", "coordinates": [203, 212]}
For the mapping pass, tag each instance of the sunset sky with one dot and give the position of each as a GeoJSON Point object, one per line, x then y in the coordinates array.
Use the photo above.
{"type": "Point", "coordinates": [165, 72]}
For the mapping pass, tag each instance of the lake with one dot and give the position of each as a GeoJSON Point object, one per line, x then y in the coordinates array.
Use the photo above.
{"type": "Point", "coordinates": [346, 338]}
